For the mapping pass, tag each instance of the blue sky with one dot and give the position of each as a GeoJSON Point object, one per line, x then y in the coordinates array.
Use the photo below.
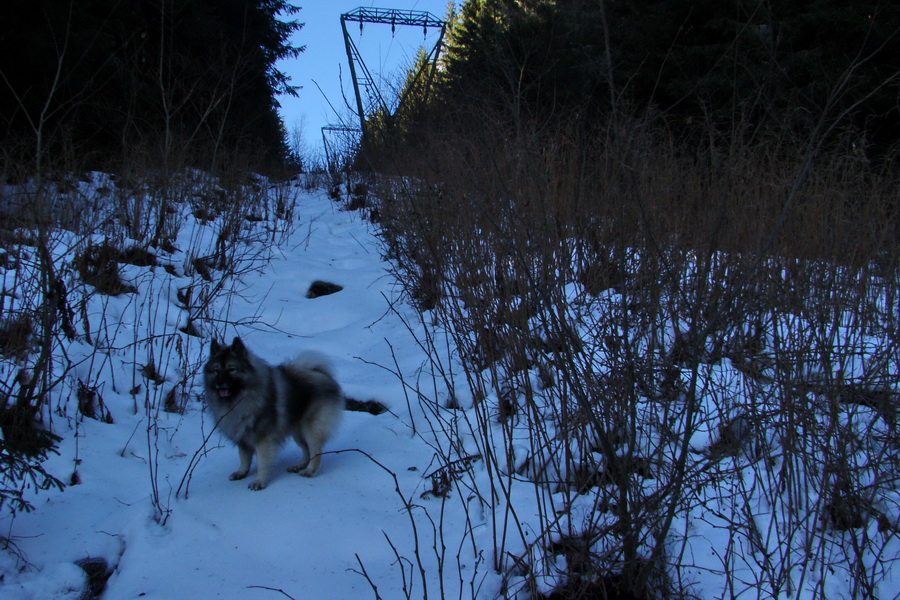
{"type": "Point", "coordinates": [325, 60]}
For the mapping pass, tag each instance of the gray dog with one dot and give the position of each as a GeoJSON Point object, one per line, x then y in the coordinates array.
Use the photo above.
{"type": "Point", "coordinates": [257, 406]}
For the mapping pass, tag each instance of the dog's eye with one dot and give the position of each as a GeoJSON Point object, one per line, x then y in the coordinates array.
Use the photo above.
{"type": "Point", "coordinates": [231, 369]}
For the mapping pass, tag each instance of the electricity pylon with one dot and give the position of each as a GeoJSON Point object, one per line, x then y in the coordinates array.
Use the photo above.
{"type": "Point", "coordinates": [368, 97]}
{"type": "Point", "coordinates": [339, 142]}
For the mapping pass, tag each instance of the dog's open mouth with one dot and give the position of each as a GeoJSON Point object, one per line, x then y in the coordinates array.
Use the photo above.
{"type": "Point", "coordinates": [224, 392]}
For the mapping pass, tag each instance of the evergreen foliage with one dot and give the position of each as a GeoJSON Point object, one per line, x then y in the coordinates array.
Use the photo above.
{"type": "Point", "coordinates": [739, 66]}
{"type": "Point", "coordinates": [24, 445]}
{"type": "Point", "coordinates": [101, 75]}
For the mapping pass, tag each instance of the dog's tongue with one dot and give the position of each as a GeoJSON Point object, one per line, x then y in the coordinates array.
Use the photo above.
{"type": "Point", "coordinates": [224, 393]}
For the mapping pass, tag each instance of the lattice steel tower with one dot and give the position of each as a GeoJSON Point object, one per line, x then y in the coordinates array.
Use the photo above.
{"type": "Point", "coordinates": [368, 97]}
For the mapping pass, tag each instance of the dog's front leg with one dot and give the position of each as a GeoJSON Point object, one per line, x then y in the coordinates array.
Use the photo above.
{"type": "Point", "coordinates": [266, 452]}
{"type": "Point", "coordinates": [246, 453]}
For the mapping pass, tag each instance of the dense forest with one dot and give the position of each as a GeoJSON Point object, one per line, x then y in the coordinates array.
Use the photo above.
{"type": "Point", "coordinates": [100, 79]}
{"type": "Point", "coordinates": [740, 67]}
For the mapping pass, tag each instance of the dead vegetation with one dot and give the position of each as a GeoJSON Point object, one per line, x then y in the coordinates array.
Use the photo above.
{"type": "Point", "coordinates": [644, 329]}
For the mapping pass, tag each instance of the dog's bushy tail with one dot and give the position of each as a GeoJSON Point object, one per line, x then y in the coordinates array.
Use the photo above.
{"type": "Point", "coordinates": [313, 361]}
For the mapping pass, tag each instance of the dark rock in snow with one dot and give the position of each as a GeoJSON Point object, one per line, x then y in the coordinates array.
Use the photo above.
{"type": "Point", "coordinates": [322, 288]}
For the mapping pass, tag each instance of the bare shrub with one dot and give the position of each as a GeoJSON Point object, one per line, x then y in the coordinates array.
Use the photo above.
{"type": "Point", "coordinates": [653, 335]}
{"type": "Point", "coordinates": [98, 266]}
{"type": "Point", "coordinates": [16, 336]}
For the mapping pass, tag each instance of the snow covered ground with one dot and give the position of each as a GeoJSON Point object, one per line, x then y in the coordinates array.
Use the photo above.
{"type": "Point", "coordinates": [310, 538]}
{"type": "Point", "coordinates": [150, 493]}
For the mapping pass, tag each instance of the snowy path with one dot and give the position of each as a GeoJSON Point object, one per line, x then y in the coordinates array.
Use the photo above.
{"type": "Point", "coordinates": [299, 535]}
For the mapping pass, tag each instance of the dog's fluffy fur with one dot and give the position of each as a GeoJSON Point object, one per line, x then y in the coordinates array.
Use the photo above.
{"type": "Point", "coordinates": [257, 406]}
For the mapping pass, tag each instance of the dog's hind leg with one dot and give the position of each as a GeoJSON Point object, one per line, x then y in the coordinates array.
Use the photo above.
{"type": "Point", "coordinates": [266, 451]}
{"type": "Point", "coordinates": [301, 441]}
{"type": "Point", "coordinates": [246, 454]}
{"type": "Point", "coordinates": [314, 430]}
{"type": "Point", "coordinates": [311, 438]}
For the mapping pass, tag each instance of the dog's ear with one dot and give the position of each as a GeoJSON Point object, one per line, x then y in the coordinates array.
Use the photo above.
{"type": "Point", "coordinates": [238, 347]}
{"type": "Point", "coordinates": [214, 347]}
